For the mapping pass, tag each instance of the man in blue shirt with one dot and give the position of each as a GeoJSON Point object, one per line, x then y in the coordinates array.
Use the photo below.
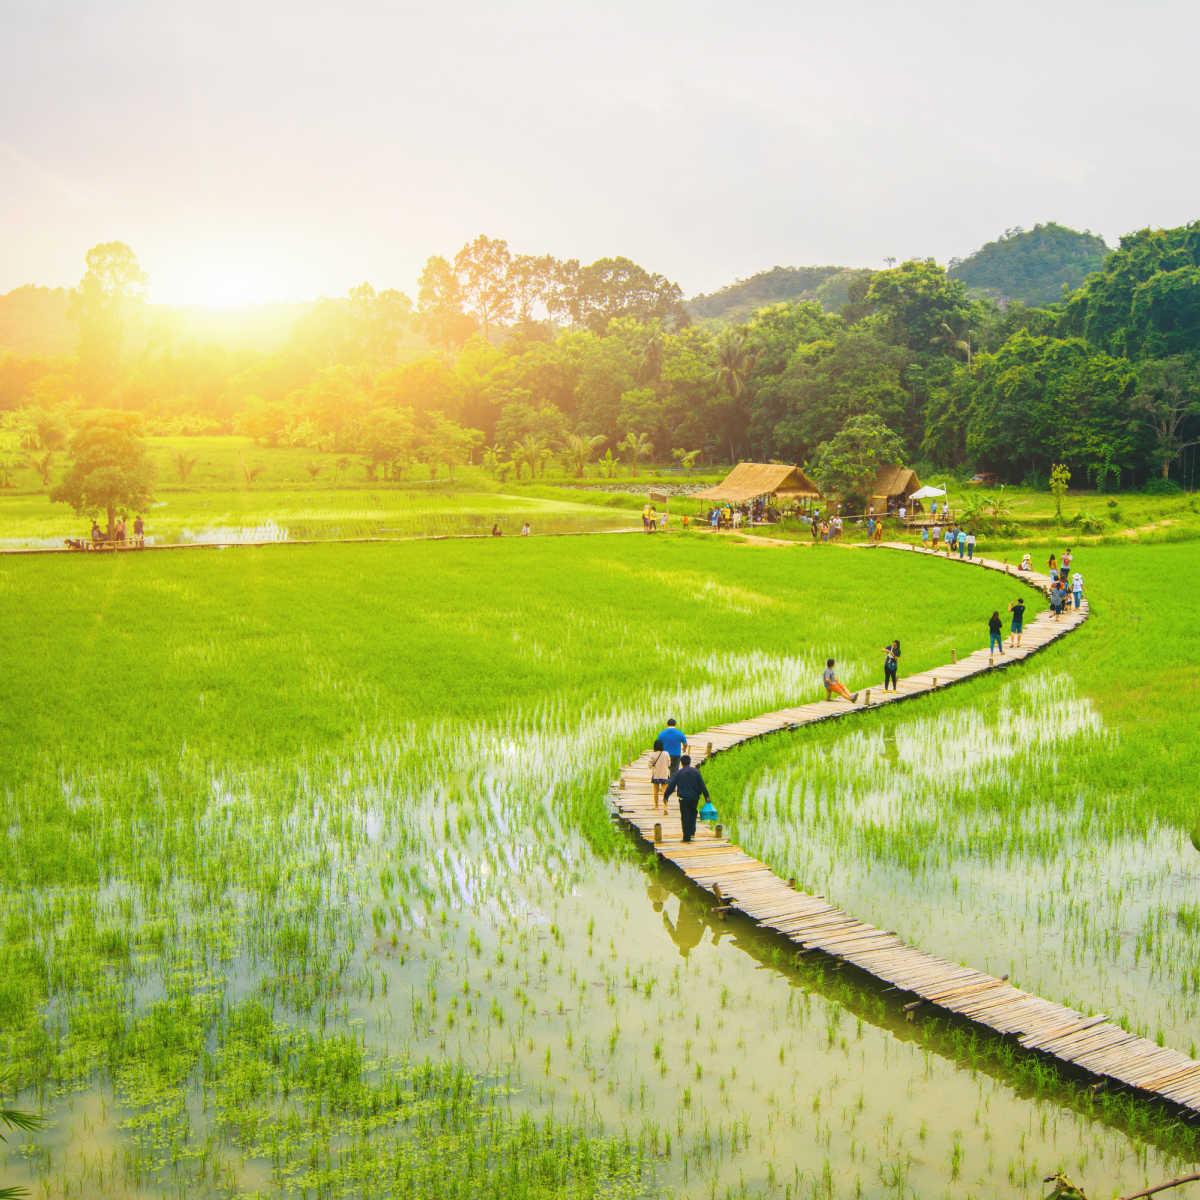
{"type": "Point", "coordinates": [689, 786]}
{"type": "Point", "coordinates": [674, 742]}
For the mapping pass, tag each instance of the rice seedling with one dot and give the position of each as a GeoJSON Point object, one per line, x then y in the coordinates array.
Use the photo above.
{"type": "Point", "coordinates": [309, 888]}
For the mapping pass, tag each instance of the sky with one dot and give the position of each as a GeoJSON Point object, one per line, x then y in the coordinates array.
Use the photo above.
{"type": "Point", "coordinates": [263, 150]}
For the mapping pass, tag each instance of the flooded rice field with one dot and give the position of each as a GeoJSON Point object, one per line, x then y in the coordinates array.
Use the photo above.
{"type": "Point", "coordinates": [413, 956]}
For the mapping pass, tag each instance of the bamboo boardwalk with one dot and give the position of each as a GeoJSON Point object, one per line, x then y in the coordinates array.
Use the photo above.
{"type": "Point", "coordinates": [1090, 1043]}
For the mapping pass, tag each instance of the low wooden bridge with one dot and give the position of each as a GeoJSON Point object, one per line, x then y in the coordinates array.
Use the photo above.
{"type": "Point", "coordinates": [1090, 1043]}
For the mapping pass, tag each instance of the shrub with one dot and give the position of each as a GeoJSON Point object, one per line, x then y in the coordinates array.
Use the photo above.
{"type": "Point", "coordinates": [1158, 486]}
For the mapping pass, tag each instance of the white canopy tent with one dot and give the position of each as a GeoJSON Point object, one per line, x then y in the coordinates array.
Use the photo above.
{"type": "Point", "coordinates": [927, 492]}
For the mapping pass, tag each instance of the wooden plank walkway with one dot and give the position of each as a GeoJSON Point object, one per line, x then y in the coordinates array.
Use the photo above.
{"type": "Point", "coordinates": [1091, 1043]}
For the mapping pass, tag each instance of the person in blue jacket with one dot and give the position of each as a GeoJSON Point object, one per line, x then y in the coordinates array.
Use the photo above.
{"type": "Point", "coordinates": [674, 742]}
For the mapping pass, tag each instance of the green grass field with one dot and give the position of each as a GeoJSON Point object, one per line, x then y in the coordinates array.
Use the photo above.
{"type": "Point", "coordinates": [297, 494]}
{"type": "Point", "coordinates": [310, 888]}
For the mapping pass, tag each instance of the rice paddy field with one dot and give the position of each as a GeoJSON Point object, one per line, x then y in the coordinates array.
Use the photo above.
{"type": "Point", "coordinates": [310, 888]}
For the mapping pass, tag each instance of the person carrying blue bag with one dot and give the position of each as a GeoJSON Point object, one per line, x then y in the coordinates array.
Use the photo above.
{"type": "Point", "coordinates": [688, 784]}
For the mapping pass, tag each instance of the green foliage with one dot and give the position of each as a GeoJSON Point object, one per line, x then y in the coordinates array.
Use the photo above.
{"type": "Point", "coordinates": [740, 301]}
{"type": "Point", "coordinates": [1144, 302]}
{"type": "Point", "coordinates": [914, 303]}
{"type": "Point", "coordinates": [1031, 266]}
{"type": "Point", "coordinates": [1157, 486]}
{"type": "Point", "coordinates": [534, 346]}
{"type": "Point", "coordinates": [109, 469]}
{"type": "Point", "coordinates": [1060, 477]}
{"type": "Point", "coordinates": [847, 464]}
{"type": "Point", "coordinates": [1169, 395]}
{"type": "Point", "coordinates": [1039, 400]}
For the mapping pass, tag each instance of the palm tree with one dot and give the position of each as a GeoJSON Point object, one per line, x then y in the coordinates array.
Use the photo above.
{"type": "Point", "coordinates": [580, 448]}
{"type": "Point", "coordinates": [636, 446]}
{"type": "Point", "coordinates": [686, 458]}
{"type": "Point", "coordinates": [531, 450]}
{"type": "Point", "coordinates": [972, 509]}
{"type": "Point", "coordinates": [15, 1118]}
{"type": "Point", "coordinates": [999, 509]}
{"type": "Point", "coordinates": [952, 341]}
{"type": "Point", "coordinates": [734, 360]}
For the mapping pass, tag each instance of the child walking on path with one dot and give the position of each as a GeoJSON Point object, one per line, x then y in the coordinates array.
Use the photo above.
{"type": "Point", "coordinates": [660, 770]}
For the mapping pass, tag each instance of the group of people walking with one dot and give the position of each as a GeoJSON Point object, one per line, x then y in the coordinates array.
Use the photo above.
{"type": "Point", "coordinates": [934, 537]}
{"type": "Point", "coordinates": [672, 773]}
{"type": "Point", "coordinates": [671, 769]}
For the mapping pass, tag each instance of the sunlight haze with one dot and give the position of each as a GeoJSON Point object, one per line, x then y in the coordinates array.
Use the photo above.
{"type": "Point", "coordinates": [261, 152]}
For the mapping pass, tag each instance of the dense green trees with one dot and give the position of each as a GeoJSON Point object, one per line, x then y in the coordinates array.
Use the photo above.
{"type": "Point", "coordinates": [529, 357]}
{"type": "Point", "coordinates": [1032, 266]}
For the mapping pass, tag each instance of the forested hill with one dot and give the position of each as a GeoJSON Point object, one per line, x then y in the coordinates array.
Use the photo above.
{"type": "Point", "coordinates": [829, 286]}
{"type": "Point", "coordinates": [1031, 265]}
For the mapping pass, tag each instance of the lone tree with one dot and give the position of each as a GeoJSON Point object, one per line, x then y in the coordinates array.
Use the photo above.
{"type": "Point", "coordinates": [847, 464]}
{"type": "Point", "coordinates": [1060, 476]}
{"type": "Point", "coordinates": [109, 468]}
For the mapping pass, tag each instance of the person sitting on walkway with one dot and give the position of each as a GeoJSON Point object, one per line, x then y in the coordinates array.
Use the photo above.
{"type": "Point", "coordinates": [995, 633]}
{"type": "Point", "coordinates": [688, 784]}
{"type": "Point", "coordinates": [1017, 608]}
{"type": "Point", "coordinates": [674, 742]}
{"type": "Point", "coordinates": [97, 536]}
{"type": "Point", "coordinates": [496, 531]}
{"type": "Point", "coordinates": [891, 663]}
{"type": "Point", "coordinates": [1026, 562]}
{"type": "Point", "coordinates": [833, 685]}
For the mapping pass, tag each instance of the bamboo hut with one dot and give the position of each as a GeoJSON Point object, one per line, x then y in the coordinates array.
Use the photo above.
{"type": "Point", "coordinates": [892, 488]}
{"type": "Point", "coordinates": [748, 481]}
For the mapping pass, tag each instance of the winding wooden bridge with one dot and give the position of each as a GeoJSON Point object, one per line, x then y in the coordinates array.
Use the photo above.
{"type": "Point", "coordinates": [1090, 1043]}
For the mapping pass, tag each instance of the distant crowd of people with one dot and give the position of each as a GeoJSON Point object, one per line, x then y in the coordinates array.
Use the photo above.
{"type": "Point", "coordinates": [734, 516]}
{"type": "Point", "coordinates": [116, 538]}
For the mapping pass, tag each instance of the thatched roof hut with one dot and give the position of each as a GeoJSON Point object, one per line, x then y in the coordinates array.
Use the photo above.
{"type": "Point", "coordinates": [893, 485]}
{"type": "Point", "coordinates": [748, 480]}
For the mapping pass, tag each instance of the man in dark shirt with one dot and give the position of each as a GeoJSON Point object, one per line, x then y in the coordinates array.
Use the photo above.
{"type": "Point", "coordinates": [689, 786]}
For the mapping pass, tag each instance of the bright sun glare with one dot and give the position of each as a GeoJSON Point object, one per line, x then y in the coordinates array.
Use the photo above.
{"type": "Point", "coordinates": [220, 284]}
